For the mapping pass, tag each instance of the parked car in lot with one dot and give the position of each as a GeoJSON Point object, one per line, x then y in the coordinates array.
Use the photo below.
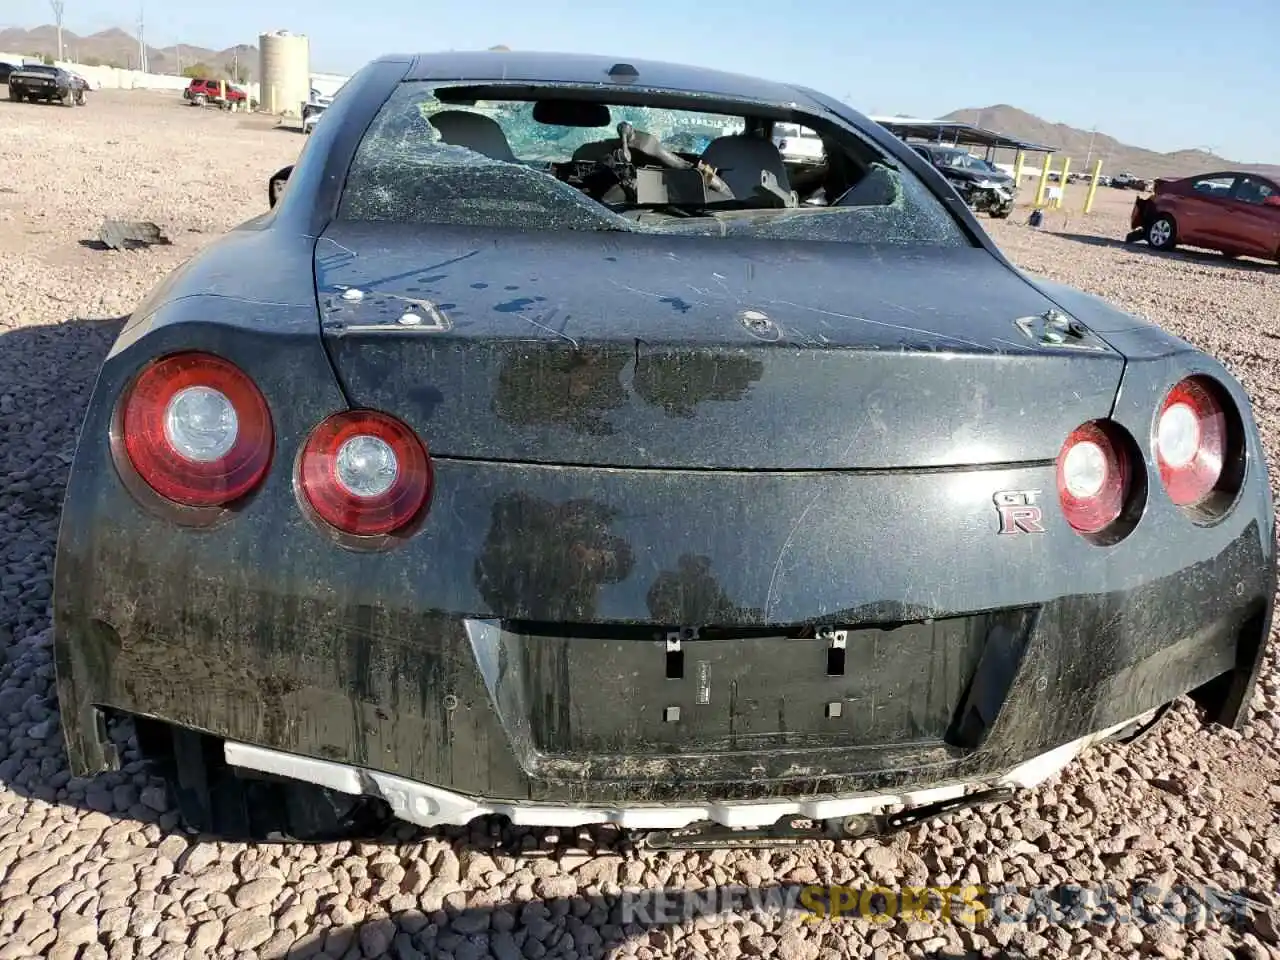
{"type": "Point", "coordinates": [202, 91]}
{"type": "Point", "coordinates": [1235, 213]}
{"type": "Point", "coordinates": [39, 82]}
{"type": "Point", "coordinates": [313, 108]}
{"type": "Point", "coordinates": [983, 185]}
{"type": "Point", "coordinates": [517, 463]}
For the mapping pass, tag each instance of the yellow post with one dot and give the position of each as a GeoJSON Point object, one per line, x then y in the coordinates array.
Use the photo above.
{"type": "Point", "coordinates": [1093, 186]}
{"type": "Point", "coordinates": [1062, 183]}
{"type": "Point", "coordinates": [1044, 180]}
{"type": "Point", "coordinates": [1017, 168]}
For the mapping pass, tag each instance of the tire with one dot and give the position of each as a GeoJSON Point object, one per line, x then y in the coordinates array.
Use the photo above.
{"type": "Point", "coordinates": [1162, 232]}
{"type": "Point", "coordinates": [15, 96]}
{"type": "Point", "coordinates": [68, 99]}
{"type": "Point", "coordinates": [199, 100]}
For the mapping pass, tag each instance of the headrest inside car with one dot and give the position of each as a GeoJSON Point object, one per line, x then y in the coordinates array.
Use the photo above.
{"type": "Point", "coordinates": [571, 113]}
{"type": "Point", "coordinates": [456, 96]}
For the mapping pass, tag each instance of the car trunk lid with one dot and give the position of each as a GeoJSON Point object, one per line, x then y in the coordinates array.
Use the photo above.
{"type": "Point", "coordinates": [638, 350]}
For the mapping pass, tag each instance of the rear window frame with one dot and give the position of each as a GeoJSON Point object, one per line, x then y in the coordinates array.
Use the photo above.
{"type": "Point", "coordinates": [816, 118]}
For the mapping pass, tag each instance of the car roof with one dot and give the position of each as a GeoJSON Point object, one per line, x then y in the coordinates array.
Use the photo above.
{"type": "Point", "coordinates": [576, 68]}
{"type": "Point", "coordinates": [1217, 174]}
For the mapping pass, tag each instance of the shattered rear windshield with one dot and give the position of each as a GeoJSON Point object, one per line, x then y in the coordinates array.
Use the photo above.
{"type": "Point", "coordinates": [566, 163]}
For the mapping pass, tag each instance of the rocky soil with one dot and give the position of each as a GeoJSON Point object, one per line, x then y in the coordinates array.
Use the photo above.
{"type": "Point", "coordinates": [95, 869]}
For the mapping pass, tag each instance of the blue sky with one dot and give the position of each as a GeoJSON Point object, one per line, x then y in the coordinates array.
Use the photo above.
{"type": "Point", "coordinates": [1163, 74]}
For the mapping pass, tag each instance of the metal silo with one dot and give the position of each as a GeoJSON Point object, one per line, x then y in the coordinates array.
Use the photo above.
{"type": "Point", "coordinates": [285, 72]}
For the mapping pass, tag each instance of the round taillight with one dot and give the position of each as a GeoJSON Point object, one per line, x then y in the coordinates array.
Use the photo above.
{"type": "Point", "coordinates": [197, 430]}
{"type": "Point", "coordinates": [1094, 476]}
{"type": "Point", "coordinates": [365, 473]}
{"type": "Point", "coordinates": [1191, 442]}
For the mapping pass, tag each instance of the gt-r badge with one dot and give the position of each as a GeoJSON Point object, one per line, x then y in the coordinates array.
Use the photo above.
{"type": "Point", "coordinates": [1018, 511]}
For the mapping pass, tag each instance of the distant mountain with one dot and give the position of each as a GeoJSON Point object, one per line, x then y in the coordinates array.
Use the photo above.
{"type": "Point", "coordinates": [1079, 144]}
{"type": "Point", "coordinates": [117, 48]}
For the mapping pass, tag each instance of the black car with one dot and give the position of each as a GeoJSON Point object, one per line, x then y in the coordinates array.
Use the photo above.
{"type": "Point", "coordinates": [982, 184]}
{"type": "Point", "coordinates": [518, 463]}
{"type": "Point", "coordinates": [37, 82]}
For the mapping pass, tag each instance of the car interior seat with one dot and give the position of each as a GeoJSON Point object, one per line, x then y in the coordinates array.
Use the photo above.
{"type": "Point", "coordinates": [1250, 191]}
{"type": "Point", "coordinates": [741, 158]}
{"type": "Point", "coordinates": [475, 131]}
{"type": "Point", "coordinates": [597, 149]}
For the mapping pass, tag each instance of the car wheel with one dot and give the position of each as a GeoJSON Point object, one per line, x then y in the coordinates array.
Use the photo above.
{"type": "Point", "coordinates": [200, 100]}
{"type": "Point", "coordinates": [1162, 232]}
{"type": "Point", "coordinates": [15, 96]}
{"type": "Point", "coordinates": [68, 99]}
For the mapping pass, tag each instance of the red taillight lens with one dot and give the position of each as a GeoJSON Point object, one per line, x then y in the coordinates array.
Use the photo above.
{"type": "Point", "coordinates": [365, 473]}
{"type": "Point", "coordinates": [1094, 476]}
{"type": "Point", "coordinates": [1191, 442]}
{"type": "Point", "coordinates": [197, 430]}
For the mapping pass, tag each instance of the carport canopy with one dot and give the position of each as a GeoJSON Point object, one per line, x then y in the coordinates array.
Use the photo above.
{"type": "Point", "coordinates": [957, 134]}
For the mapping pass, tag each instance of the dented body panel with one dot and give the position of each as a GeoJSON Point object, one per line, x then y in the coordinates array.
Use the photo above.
{"type": "Point", "coordinates": [634, 436]}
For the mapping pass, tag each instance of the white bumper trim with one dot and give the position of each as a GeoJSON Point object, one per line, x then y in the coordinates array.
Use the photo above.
{"type": "Point", "coordinates": [429, 806]}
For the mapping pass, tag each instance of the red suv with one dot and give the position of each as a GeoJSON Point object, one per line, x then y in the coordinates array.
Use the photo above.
{"type": "Point", "coordinates": [1237, 214]}
{"type": "Point", "coordinates": [200, 92]}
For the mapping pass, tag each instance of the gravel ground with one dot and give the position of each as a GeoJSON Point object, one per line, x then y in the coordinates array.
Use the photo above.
{"type": "Point", "coordinates": [95, 870]}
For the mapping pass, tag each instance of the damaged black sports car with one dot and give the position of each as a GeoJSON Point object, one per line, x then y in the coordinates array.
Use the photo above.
{"type": "Point", "coordinates": [553, 450]}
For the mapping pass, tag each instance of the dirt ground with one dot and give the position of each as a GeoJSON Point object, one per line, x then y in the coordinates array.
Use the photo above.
{"type": "Point", "coordinates": [96, 869]}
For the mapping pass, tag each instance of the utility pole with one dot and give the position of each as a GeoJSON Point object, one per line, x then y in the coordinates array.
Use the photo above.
{"type": "Point", "coordinates": [57, 6]}
{"type": "Point", "coordinates": [1092, 133]}
{"type": "Point", "coordinates": [142, 43]}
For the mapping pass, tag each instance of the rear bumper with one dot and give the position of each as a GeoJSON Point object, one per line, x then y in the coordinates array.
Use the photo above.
{"type": "Point", "coordinates": [954, 672]}
{"type": "Point", "coordinates": [515, 649]}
